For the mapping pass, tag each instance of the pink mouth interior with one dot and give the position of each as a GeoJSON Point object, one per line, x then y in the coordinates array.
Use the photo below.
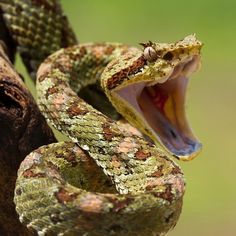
{"type": "Point", "coordinates": [162, 109]}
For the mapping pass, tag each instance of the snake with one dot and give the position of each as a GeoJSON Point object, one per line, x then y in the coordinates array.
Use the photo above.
{"type": "Point", "coordinates": [113, 177]}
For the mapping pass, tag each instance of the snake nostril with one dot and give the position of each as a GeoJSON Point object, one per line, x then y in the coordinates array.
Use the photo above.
{"type": "Point", "coordinates": [168, 56]}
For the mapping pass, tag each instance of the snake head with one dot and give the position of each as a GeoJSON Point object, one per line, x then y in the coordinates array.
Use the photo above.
{"type": "Point", "coordinates": [150, 94]}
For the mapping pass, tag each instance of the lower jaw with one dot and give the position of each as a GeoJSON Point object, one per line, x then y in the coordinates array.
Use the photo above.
{"type": "Point", "coordinates": [166, 118]}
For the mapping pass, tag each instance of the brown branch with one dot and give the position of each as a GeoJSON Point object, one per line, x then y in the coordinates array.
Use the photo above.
{"type": "Point", "coordinates": [22, 129]}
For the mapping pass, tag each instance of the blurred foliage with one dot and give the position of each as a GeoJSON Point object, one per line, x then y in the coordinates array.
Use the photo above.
{"type": "Point", "coordinates": [210, 200]}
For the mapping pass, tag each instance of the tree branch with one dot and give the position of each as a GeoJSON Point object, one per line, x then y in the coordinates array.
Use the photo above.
{"type": "Point", "coordinates": [23, 129]}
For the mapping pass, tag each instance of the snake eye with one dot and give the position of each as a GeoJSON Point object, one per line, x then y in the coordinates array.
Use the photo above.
{"type": "Point", "coordinates": [150, 54]}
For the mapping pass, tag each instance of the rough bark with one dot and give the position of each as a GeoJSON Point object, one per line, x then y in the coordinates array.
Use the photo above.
{"type": "Point", "coordinates": [22, 129]}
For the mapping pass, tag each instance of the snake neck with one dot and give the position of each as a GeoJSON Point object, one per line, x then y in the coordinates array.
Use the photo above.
{"type": "Point", "coordinates": [92, 58]}
{"type": "Point", "coordinates": [85, 80]}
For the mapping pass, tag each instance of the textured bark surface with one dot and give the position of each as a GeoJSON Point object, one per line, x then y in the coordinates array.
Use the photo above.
{"type": "Point", "coordinates": [22, 129]}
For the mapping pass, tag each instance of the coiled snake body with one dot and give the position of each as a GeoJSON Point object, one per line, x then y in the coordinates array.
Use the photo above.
{"type": "Point", "coordinates": [111, 180]}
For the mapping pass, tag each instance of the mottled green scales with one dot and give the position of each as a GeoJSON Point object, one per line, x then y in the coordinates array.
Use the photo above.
{"type": "Point", "coordinates": [109, 180]}
{"type": "Point", "coordinates": [39, 28]}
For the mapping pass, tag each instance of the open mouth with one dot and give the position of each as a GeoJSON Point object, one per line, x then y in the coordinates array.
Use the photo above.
{"type": "Point", "coordinates": [161, 109]}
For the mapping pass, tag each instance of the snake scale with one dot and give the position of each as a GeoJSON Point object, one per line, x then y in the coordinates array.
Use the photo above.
{"type": "Point", "coordinates": [110, 179]}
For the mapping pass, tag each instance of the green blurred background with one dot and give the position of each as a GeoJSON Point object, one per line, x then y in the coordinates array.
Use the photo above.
{"type": "Point", "coordinates": [210, 200]}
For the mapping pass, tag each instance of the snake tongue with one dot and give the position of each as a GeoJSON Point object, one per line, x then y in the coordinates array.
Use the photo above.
{"type": "Point", "coordinates": [161, 107]}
